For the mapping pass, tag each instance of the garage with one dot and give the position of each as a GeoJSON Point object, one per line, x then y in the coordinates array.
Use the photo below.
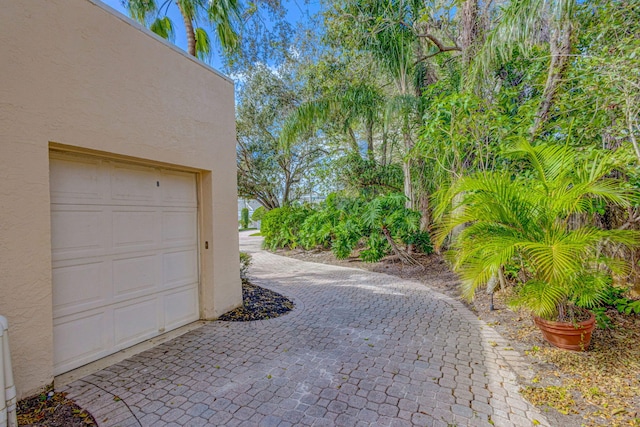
{"type": "Point", "coordinates": [124, 242]}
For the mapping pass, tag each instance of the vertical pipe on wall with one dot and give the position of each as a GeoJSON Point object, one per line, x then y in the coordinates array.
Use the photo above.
{"type": "Point", "coordinates": [3, 402]}
{"type": "Point", "coordinates": [8, 416]}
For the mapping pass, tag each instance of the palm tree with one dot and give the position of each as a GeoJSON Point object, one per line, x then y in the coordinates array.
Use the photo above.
{"type": "Point", "coordinates": [519, 27]}
{"type": "Point", "coordinates": [402, 36]}
{"type": "Point", "coordinates": [529, 223]}
{"type": "Point", "coordinates": [393, 47]}
{"type": "Point", "coordinates": [351, 105]}
{"type": "Point", "coordinates": [222, 15]}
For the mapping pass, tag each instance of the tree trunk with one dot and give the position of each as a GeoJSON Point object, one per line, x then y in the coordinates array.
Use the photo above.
{"type": "Point", "coordinates": [191, 34]}
{"type": "Point", "coordinates": [425, 213]}
{"type": "Point", "coordinates": [383, 148]}
{"type": "Point", "coordinates": [287, 188]}
{"type": "Point", "coordinates": [267, 200]}
{"type": "Point", "coordinates": [408, 189]}
{"type": "Point", "coordinates": [369, 131]}
{"type": "Point", "coordinates": [402, 255]}
{"type": "Point", "coordinates": [469, 33]}
{"type": "Point", "coordinates": [560, 45]}
{"type": "Point", "coordinates": [406, 169]}
{"type": "Point", "coordinates": [353, 141]}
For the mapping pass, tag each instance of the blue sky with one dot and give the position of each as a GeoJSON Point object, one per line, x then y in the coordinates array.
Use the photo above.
{"type": "Point", "coordinates": [297, 11]}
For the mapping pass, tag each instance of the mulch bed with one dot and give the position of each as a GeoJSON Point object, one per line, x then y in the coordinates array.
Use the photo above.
{"type": "Point", "coordinates": [54, 410]}
{"type": "Point", "coordinates": [258, 304]}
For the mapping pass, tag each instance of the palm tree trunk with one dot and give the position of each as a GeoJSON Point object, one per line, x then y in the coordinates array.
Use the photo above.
{"type": "Point", "coordinates": [560, 45]}
{"type": "Point", "coordinates": [191, 35]}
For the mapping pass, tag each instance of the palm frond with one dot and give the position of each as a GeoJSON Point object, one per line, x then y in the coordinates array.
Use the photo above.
{"type": "Point", "coordinates": [225, 16]}
{"type": "Point", "coordinates": [140, 10]}
{"type": "Point", "coordinates": [164, 28]}
{"type": "Point", "coordinates": [203, 44]}
{"type": "Point", "coordinates": [306, 119]}
{"type": "Point", "coordinates": [588, 291]}
{"type": "Point", "coordinates": [516, 30]}
{"type": "Point", "coordinates": [527, 219]}
{"type": "Point", "coordinates": [540, 297]}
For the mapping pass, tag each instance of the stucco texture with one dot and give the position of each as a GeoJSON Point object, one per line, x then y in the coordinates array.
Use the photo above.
{"type": "Point", "coordinates": [78, 77]}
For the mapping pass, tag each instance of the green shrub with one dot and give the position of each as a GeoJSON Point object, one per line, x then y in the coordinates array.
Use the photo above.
{"type": "Point", "coordinates": [319, 228]}
{"type": "Point", "coordinates": [421, 240]}
{"type": "Point", "coordinates": [345, 223]}
{"type": "Point", "coordinates": [258, 214]}
{"type": "Point", "coordinates": [245, 262]}
{"type": "Point", "coordinates": [244, 218]}
{"type": "Point", "coordinates": [614, 297]}
{"type": "Point", "coordinates": [376, 248]}
{"type": "Point", "coordinates": [281, 226]}
{"type": "Point", "coordinates": [347, 235]}
{"type": "Point", "coordinates": [528, 219]}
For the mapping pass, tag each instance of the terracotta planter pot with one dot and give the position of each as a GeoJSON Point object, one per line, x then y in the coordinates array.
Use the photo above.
{"type": "Point", "coordinates": [569, 336]}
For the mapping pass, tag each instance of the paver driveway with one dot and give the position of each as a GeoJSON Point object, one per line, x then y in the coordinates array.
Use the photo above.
{"type": "Point", "coordinates": [359, 349]}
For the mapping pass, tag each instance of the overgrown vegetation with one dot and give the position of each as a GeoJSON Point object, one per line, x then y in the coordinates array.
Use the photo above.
{"type": "Point", "coordinates": [429, 99]}
{"type": "Point", "coordinates": [374, 228]}
{"type": "Point", "coordinates": [536, 226]}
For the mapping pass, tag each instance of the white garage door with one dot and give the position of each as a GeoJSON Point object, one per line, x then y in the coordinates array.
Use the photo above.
{"type": "Point", "coordinates": [125, 255]}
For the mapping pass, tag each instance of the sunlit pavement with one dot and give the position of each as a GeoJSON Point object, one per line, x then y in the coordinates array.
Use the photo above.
{"type": "Point", "coordinates": [359, 349]}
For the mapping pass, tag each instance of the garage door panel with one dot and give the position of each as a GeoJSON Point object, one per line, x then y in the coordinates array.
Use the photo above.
{"type": "Point", "coordinates": [178, 189]}
{"type": "Point", "coordinates": [80, 287]}
{"type": "Point", "coordinates": [135, 322]}
{"type": "Point", "coordinates": [77, 231]}
{"type": "Point", "coordinates": [179, 227]}
{"type": "Point", "coordinates": [79, 339]}
{"type": "Point", "coordinates": [76, 181]}
{"type": "Point", "coordinates": [135, 230]}
{"type": "Point", "coordinates": [134, 185]}
{"type": "Point", "coordinates": [181, 307]}
{"type": "Point", "coordinates": [179, 268]}
{"type": "Point", "coordinates": [132, 276]}
{"type": "Point", "coordinates": [125, 255]}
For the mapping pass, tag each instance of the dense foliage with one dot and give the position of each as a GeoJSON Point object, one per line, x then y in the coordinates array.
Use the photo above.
{"type": "Point", "coordinates": [429, 99]}
{"type": "Point", "coordinates": [536, 224]}
{"type": "Point", "coordinates": [372, 229]}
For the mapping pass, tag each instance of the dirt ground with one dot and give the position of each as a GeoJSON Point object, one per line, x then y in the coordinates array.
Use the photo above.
{"type": "Point", "coordinates": [598, 387]}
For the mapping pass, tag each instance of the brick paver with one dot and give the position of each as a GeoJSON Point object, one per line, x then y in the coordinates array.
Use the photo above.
{"type": "Point", "coordinates": [359, 349]}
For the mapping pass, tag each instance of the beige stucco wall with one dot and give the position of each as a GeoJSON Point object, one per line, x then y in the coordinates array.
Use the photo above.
{"type": "Point", "coordinates": [74, 74]}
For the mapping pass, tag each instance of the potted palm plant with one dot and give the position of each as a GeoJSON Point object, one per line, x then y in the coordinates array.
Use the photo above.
{"type": "Point", "coordinates": [535, 221]}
